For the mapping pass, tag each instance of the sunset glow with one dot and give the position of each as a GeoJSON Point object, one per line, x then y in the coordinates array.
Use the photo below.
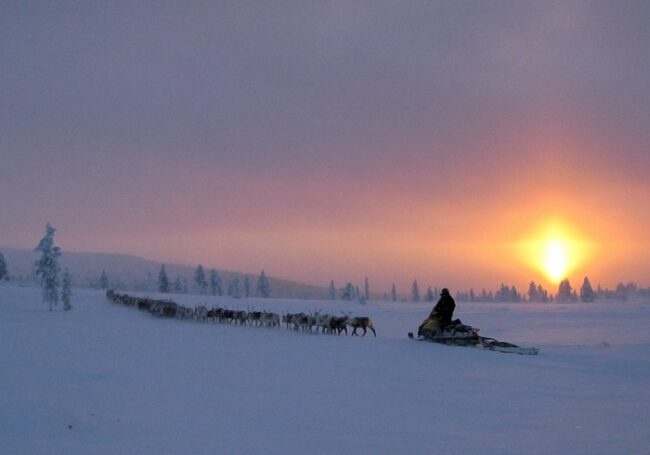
{"type": "Point", "coordinates": [555, 259]}
{"type": "Point", "coordinates": [555, 250]}
{"type": "Point", "coordinates": [454, 143]}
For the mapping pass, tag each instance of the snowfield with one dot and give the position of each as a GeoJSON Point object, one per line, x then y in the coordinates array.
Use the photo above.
{"type": "Point", "coordinates": [109, 379]}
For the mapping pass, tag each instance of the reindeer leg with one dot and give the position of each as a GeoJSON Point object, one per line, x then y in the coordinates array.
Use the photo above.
{"type": "Point", "coordinates": [373, 331]}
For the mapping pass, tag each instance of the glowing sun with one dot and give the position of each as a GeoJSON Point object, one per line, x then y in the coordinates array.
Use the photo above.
{"type": "Point", "coordinates": [555, 250]}
{"type": "Point", "coordinates": [555, 259]}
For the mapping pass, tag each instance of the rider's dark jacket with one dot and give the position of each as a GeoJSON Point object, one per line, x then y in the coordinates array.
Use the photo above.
{"type": "Point", "coordinates": [444, 308]}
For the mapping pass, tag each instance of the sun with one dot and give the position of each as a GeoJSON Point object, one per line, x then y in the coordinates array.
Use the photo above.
{"type": "Point", "coordinates": [555, 250]}
{"type": "Point", "coordinates": [555, 259]}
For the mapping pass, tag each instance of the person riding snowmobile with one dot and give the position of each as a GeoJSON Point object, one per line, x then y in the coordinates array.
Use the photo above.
{"type": "Point", "coordinates": [439, 328]}
{"type": "Point", "coordinates": [444, 309]}
{"type": "Point", "coordinates": [440, 316]}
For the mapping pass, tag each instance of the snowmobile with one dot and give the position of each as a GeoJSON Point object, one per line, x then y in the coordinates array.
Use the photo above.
{"type": "Point", "coordinates": [458, 334]}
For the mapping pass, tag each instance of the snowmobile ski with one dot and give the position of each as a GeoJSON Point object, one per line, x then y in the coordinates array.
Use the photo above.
{"type": "Point", "coordinates": [477, 342]}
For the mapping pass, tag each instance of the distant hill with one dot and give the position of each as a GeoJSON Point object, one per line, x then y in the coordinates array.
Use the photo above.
{"type": "Point", "coordinates": [133, 273]}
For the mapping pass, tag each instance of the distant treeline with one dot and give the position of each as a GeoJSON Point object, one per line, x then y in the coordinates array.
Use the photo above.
{"type": "Point", "coordinates": [564, 294]}
{"type": "Point", "coordinates": [212, 282]}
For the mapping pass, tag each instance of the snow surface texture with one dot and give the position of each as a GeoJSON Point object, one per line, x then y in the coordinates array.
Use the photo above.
{"type": "Point", "coordinates": [107, 379]}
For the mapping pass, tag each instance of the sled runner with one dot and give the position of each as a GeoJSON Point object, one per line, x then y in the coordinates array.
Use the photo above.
{"type": "Point", "coordinates": [459, 334]}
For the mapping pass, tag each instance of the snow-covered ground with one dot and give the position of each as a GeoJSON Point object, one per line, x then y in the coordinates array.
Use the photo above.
{"type": "Point", "coordinates": [109, 379]}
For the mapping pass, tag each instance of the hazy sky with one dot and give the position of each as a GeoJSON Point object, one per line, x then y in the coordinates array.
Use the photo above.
{"type": "Point", "coordinates": [331, 140]}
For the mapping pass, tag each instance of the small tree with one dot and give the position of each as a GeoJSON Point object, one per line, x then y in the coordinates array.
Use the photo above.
{"type": "Point", "coordinates": [507, 294]}
{"type": "Point", "coordinates": [178, 285]}
{"type": "Point", "coordinates": [415, 291]}
{"type": "Point", "coordinates": [47, 267]}
{"type": "Point", "coordinates": [199, 279]}
{"type": "Point", "coordinates": [247, 286]}
{"type": "Point", "coordinates": [587, 293]}
{"type": "Point", "coordinates": [348, 292]}
{"type": "Point", "coordinates": [393, 293]}
{"type": "Point", "coordinates": [514, 294]}
{"type": "Point", "coordinates": [4, 273]}
{"type": "Point", "coordinates": [532, 292]}
{"type": "Point", "coordinates": [103, 280]}
{"type": "Point", "coordinates": [163, 280]}
{"type": "Point", "coordinates": [429, 297]}
{"type": "Point", "coordinates": [263, 288]}
{"type": "Point", "coordinates": [366, 289]}
{"type": "Point", "coordinates": [215, 283]}
{"type": "Point", "coordinates": [542, 294]}
{"type": "Point", "coordinates": [331, 293]}
{"type": "Point", "coordinates": [565, 292]}
{"type": "Point", "coordinates": [233, 288]}
{"type": "Point", "coordinates": [66, 291]}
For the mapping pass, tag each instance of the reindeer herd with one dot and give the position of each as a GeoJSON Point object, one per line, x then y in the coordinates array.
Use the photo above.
{"type": "Point", "coordinates": [315, 322]}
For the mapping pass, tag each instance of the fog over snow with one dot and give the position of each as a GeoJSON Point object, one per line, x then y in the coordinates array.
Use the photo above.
{"type": "Point", "coordinates": [105, 379]}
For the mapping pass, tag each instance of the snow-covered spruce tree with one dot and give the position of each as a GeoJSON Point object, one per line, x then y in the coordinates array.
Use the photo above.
{"type": "Point", "coordinates": [366, 289]}
{"type": "Point", "coordinates": [348, 292]}
{"type": "Point", "coordinates": [393, 293]}
{"type": "Point", "coordinates": [47, 267]}
{"type": "Point", "coordinates": [66, 291]}
{"type": "Point", "coordinates": [542, 294]}
{"type": "Point", "coordinates": [199, 279]}
{"type": "Point", "coordinates": [621, 292]}
{"type": "Point", "coordinates": [103, 280]}
{"type": "Point", "coordinates": [415, 291]}
{"type": "Point", "coordinates": [331, 292]}
{"type": "Point", "coordinates": [532, 292]}
{"type": "Point", "coordinates": [429, 297]}
{"type": "Point", "coordinates": [587, 293]}
{"type": "Point", "coordinates": [507, 294]}
{"type": "Point", "coordinates": [215, 283]}
{"type": "Point", "coordinates": [515, 296]}
{"type": "Point", "coordinates": [163, 280]}
{"type": "Point", "coordinates": [178, 285]}
{"type": "Point", "coordinates": [4, 273]}
{"type": "Point", "coordinates": [233, 288]}
{"type": "Point", "coordinates": [564, 292]}
{"type": "Point", "coordinates": [247, 286]}
{"type": "Point", "coordinates": [263, 288]}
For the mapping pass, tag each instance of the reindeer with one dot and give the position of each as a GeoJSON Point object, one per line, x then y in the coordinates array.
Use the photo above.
{"type": "Point", "coordinates": [213, 314]}
{"type": "Point", "coordinates": [254, 317]}
{"type": "Point", "coordinates": [306, 322]}
{"type": "Point", "coordinates": [323, 321]}
{"type": "Point", "coordinates": [201, 313]}
{"type": "Point", "coordinates": [363, 322]}
{"type": "Point", "coordinates": [226, 316]}
{"type": "Point", "coordinates": [338, 324]}
{"type": "Point", "coordinates": [288, 319]}
{"type": "Point", "coordinates": [240, 317]}
{"type": "Point", "coordinates": [184, 313]}
{"type": "Point", "coordinates": [269, 319]}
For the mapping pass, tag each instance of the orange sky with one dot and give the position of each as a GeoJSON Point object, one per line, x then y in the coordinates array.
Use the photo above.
{"type": "Point", "coordinates": [333, 141]}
